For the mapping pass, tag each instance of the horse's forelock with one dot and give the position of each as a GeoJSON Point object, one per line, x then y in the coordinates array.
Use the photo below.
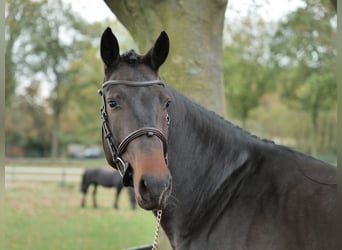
{"type": "Point", "coordinates": [131, 57]}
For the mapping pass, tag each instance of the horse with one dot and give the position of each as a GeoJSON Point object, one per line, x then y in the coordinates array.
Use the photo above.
{"type": "Point", "coordinates": [107, 178]}
{"type": "Point", "coordinates": [217, 185]}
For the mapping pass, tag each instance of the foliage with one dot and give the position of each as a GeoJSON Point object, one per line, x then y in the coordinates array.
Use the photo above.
{"type": "Point", "coordinates": [304, 49]}
{"type": "Point", "coordinates": [84, 105]}
{"type": "Point", "coordinates": [56, 40]}
{"type": "Point", "coordinates": [19, 24]}
{"type": "Point", "coordinates": [28, 125]}
{"type": "Point", "coordinates": [245, 68]}
{"type": "Point", "coordinates": [292, 59]}
{"type": "Point", "coordinates": [63, 41]}
{"type": "Point", "coordinates": [273, 119]}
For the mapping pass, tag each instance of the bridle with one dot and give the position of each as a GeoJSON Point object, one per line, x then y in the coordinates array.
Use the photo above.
{"type": "Point", "coordinates": [117, 151]}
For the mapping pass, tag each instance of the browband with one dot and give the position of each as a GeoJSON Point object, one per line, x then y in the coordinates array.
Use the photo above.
{"type": "Point", "coordinates": [133, 83]}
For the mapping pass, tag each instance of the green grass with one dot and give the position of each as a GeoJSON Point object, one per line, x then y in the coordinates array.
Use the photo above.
{"type": "Point", "coordinates": [44, 216]}
{"type": "Point", "coordinates": [59, 162]}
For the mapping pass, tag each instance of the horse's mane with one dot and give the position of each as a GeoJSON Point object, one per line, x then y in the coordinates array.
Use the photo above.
{"type": "Point", "coordinates": [221, 122]}
{"type": "Point", "coordinates": [131, 57]}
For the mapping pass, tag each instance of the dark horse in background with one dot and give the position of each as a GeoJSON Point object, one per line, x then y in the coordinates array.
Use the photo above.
{"type": "Point", "coordinates": [108, 178]}
{"type": "Point", "coordinates": [220, 187]}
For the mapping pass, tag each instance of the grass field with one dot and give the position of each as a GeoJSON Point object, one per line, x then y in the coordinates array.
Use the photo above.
{"type": "Point", "coordinates": [45, 216]}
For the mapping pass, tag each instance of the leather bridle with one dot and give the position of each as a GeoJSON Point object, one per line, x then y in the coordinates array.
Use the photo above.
{"type": "Point", "coordinates": [117, 151]}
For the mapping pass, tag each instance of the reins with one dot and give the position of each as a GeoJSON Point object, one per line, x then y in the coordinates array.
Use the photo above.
{"type": "Point", "coordinates": [117, 151]}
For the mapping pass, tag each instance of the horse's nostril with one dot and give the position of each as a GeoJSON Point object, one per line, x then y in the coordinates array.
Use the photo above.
{"type": "Point", "coordinates": [143, 186]}
{"type": "Point", "coordinates": [152, 188]}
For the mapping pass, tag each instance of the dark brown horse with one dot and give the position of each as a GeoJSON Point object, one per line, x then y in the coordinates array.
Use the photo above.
{"type": "Point", "coordinates": [218, 186]}
{"type": "Point", "coordinates": [104, 177]}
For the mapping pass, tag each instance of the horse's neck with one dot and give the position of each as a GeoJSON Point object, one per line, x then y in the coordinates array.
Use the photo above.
{"type": "Point", "coordinates": [201, 136]}
{"type": "Point", "coordinates": [204, 152]}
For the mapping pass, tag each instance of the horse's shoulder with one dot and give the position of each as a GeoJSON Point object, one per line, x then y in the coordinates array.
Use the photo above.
{"type": "Point", "coordinates": [292, 166]}
{"type": "Point", "coordinates": [307, 167]}
{"type": "Point", "coordinates": [317, 171]}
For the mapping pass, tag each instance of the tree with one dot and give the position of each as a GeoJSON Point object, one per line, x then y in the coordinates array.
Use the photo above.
{"type": "Point", "coordinates": [195, 28]}
{"type": "Point", "coordinates": [55, 40]}
{"type": "Point", "coordinates": [85, 103]}
{"type": "Point", "coordinates": [28, 124]}
{"type": "Point", "coordinates": [305, 54]}
{"type": "Point", "coordinates": [19, 24]}
{"type": "Point", "coordinates": [58, 52]}
{"type": "Point", "coordinates": [245, 68]}
{"type": "Point", "coordinates": [334, 4]}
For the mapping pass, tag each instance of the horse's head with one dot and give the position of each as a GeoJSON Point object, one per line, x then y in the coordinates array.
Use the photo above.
{"type": "Point", "coordinates": [135, 118]}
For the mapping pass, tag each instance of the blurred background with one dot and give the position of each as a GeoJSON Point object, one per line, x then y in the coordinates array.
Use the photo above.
{"type": "Point", "coordinates": [268, 66]}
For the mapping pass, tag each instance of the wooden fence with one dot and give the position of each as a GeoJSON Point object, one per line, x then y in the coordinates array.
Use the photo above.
{"type": "Point", "coordinates": [47, 174]}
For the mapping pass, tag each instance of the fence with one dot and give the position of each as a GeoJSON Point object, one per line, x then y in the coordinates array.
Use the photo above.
{"type": "Point", "coordinates": [48, 174]}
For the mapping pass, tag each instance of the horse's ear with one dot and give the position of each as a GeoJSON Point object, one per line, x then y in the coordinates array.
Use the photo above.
{"type": "Point", "coordinates": [157, 55]}
{"type": "Point", "coordinates": [110, 53]}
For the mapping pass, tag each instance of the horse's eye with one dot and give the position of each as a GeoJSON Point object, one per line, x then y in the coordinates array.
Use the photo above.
{"type": "Point", "coordinates": [113, 104]}
{"type": "Point", "coordinates": [167, 104]}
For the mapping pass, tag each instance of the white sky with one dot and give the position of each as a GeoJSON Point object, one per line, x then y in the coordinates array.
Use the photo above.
{"type": "Point", "coordinates": [97, 10]}
{"type": "Point", "coordinates": [272, 10]}
{"type": "Point", "coordinates": [92, 10]}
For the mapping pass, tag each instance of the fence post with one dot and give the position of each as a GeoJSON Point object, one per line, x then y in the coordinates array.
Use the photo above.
{"type": "Point", "coordinates": [13, 174]}
{"type": "Point", "coordinates": [63, 177]}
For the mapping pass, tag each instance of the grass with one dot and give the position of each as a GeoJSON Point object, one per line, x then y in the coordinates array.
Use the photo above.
{"type": "Point", "coordinates": [45, 216]}
{"type": "Point", "coordinates": [58, 162]}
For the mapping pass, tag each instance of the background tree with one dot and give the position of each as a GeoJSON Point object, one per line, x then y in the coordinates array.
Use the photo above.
{"type": "Point", "coordinates": [304, 49]}
{"type": "Point", "coordinates": [28, 124]}
{"type": "Point", "coordinates": [195, 28]}
{"type": "Point", "coordinates": [334, 4]}
{"type": "Point", "coordinates": [58, 58]}
{"type": "Point", "coordinates": [19, 24]}
{"type": "Point", "coordinates": [245, 66]}
{"type": "Point", "coordinates": [63, 41]}
{"type": "Point", "coordinates": [55, 40]}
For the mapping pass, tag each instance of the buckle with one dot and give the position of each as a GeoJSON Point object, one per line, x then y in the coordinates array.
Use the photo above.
{"type": "Point", "coordinates": [121, 166]}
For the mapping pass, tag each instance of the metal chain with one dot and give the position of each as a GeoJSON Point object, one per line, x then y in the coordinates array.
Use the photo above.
{"type": "Point", "coordinates": [156, 232]}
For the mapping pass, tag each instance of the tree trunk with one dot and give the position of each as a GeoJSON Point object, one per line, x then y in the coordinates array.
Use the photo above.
{"type": "Point", "coordinates": [10, 72]}
{"type": "Point", "coordinates": [314, 136]}
{"type": "Point", "coordinates": [334, 4]}
{"type": "Point", "coordinates": [195, 28]}
{"type": "Point", "coordinates": [55, 136]}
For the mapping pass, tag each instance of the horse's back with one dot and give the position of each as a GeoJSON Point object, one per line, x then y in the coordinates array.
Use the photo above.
{"type": "Point", "coordinates": [290, 202]}
{"type": "Point", "coordinates": [101, 176]}
{"type": "Point", "coordinates": [316, 170]}
{"type": "Point", "coordinates": [299, 208]}
{"type": "Point", "coordinates": [106, 177]}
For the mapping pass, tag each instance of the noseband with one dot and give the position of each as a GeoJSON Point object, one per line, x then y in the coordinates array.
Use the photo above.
{"type": "Point", "coordinates": [117, 151]}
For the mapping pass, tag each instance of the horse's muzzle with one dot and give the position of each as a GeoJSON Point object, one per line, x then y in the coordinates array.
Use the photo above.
{"type": "Point", "coordinates": [154, 191]}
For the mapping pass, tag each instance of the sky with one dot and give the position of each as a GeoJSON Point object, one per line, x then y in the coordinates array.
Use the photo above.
{"type": "Point", "coordinates": [92, 10]}
{"type": "Point", "coordinates": [272, 11]}
{"type": "Point", "coordinates": [97, 10]}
